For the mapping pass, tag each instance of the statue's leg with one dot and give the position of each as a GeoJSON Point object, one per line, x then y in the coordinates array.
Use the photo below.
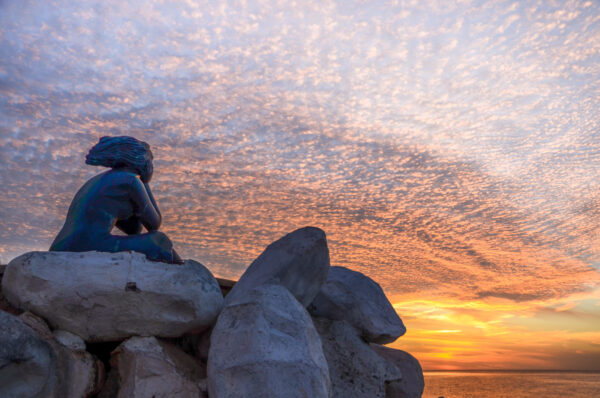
{"type": "Point", "coordinates": [155, 245]}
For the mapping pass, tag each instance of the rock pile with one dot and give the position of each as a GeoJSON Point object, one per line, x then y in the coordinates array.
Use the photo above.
{"type": "Point", "coordinates": [117, 325]}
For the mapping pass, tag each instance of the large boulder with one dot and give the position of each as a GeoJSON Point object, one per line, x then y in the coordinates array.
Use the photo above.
{"type": "Point", "coordinates": [351, 296]}
{"type": "Point", "coordinates": [27, 361]}
{"type": "Point", "coordinates": [412, 383]}
{"type": "Point", "coordinates": [34, 364]}
{"type": "Point", "coordinates": [146, 367]}
{"type": "Point", "coordinates": [112, 296]}
{"type": "Point", "coordinates": [299, 262]}
{"type": "Point", "coordinates": [264, 344]}
{"type": "Point", "coordinates": [355, 370]}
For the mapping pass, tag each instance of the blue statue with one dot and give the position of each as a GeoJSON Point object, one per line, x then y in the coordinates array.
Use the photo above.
{"type": "Point", "coordinates": [118, 197]}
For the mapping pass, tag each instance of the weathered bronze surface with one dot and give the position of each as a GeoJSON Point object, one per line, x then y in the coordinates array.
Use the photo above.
{"type": "Point", "coordinates": [119, 197]}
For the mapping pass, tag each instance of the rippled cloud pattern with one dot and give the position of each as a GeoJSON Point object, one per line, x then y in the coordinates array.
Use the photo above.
{"type": "Point", "coordinates": [450, 150]}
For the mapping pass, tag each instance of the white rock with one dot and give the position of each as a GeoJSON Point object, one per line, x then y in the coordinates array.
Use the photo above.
{"type": "Point", "coordinates": [69, 340]}
{"type": "Point", "coordinates": [354, 297]}
{"type": "Point", "coordinates": [111, 296]}
{"type": "Point", "coordinates": [33, 364]}
{"type": "Point", "coordinates": [81, 375]}
{"type": "Point", "coordinates": [355, 370]}
{"type": "Point", "coordinates": [151, 368]}
{"type": "Point", "coordinates": [265, 345]}
{"type": "Point", "coordinates": [299, 261]}
{"type": "Point", "coordinates": [78, 373]}
{"type": "Point", "coordinates": [412, 383]}
{"type": "Point", "coordinates": [27, 361]}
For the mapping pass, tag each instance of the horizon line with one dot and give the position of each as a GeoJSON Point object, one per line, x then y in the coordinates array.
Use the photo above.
{"type": "Point", "coordinates": [513, 370]}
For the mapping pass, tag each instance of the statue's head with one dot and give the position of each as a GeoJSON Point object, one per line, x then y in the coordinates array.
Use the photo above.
{"type": "Point", "coordinates": [122, 152]}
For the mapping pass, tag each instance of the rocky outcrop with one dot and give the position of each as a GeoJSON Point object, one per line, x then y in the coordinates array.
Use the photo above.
{"type": "Point", "coordinates": [78, 373]}
{"type": "Point", "coordinates": [351, 296]}
{"type": "Point", "coordinates": [355, 370]}
{"type": "Point", "coordinates": [412, 383]}
{"type": "Point", "coordinates": [27, 361]}
{"type": "Point", "coordinates": [33, 364]}
{"type": "Point", "coordinates": [106, 309]}
{"type": "Point", "coordinates": [299, 262]}
{"type": "Point", "coordinates": [112, 296]}
{"type": "Point", "coordinates": [146, 367]}
{"type": "Point", "coordinates": [264, 344]}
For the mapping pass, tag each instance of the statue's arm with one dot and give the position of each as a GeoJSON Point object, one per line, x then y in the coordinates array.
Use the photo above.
{"type": "Point", "coordinates": [131, 226]}
{"type": "Point", "coordinates": [146, 209]}
{"type": "Point", "coordinates": [152, 199]}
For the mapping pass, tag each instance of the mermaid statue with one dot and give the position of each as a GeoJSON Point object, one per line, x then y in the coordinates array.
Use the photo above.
{"type": "Point", "coordinates": [119, 197]}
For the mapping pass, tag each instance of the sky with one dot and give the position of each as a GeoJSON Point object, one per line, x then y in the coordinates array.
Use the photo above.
{"type": "Point", "coordinates": [449, 149]}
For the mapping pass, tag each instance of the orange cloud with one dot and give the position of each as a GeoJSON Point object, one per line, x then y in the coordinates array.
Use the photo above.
{"type": "Point", "coordinates": [449, 151]}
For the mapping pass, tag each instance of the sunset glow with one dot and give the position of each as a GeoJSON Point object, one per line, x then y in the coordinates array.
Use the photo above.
{"type": "Point", "coordinates": [449, 149]}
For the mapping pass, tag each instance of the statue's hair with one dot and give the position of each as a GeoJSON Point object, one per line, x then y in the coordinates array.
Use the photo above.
{"type": "Point", "coordinates": [121, 151]}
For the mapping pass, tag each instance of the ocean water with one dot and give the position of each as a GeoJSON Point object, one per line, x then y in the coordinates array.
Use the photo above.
{"type": "Point", "coordinates": [512, 384]}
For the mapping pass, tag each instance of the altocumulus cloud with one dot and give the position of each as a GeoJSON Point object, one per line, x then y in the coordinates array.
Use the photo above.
{"type": "Point", "coordinates": [448, 150]}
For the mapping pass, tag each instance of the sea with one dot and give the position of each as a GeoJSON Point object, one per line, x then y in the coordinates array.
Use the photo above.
{"type": "Point", "coordinates": [511, 384]}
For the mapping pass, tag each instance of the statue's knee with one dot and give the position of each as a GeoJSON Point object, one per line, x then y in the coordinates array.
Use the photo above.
{"type": "Point", "coordinates": [161, 239]}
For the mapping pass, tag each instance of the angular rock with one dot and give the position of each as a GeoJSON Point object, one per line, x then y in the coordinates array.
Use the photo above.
{"type": "Point", "coordinates": [412, 383]}
{"type": "Point", "coordinates": [27, 361]}
{"type": "Point", "coordinates": [78, 373]}
{"type": "Point", "coordinates": [354, 297]}
{"type": "Point", "coordinates": [33, 364]}
{"type": "Point", "coordinates": [264, 344]}
{"type": "Point", "coordinates": [150, 368]}
{"type": "Point", "coordinates": [299, 262]}
{"type": "Point", "coordinates": [355, 370]}
{"type": "Point", "coordinates": [112, 296]}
